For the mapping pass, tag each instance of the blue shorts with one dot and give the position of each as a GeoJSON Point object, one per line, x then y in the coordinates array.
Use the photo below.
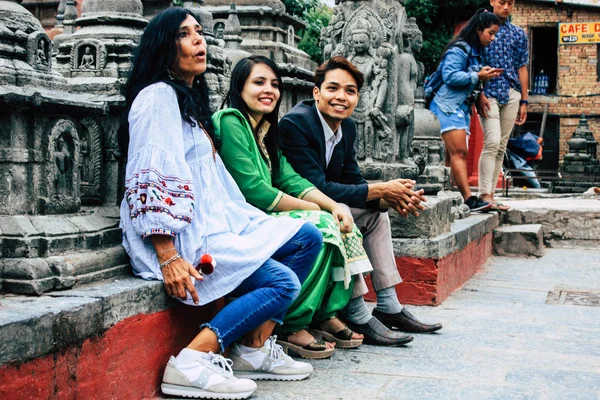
{"type": "Point", "coordinates": [458, 120]}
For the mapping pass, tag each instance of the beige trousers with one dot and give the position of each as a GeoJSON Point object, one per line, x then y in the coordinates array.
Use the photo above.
{"type": "Point", "coordinates": [496, 131]}
{"type": "Point", "coordinates": [377, 241]}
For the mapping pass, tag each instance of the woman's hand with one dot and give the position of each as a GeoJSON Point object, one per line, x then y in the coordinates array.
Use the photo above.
{"type": "Point", "coordinates": [176, 275]}
{"type": "Point", "coordinates": [488, 73]}
{"type": "Point", "coordinates": [177, 279]}
{"type": "Point", "coordinates": [345, 219]}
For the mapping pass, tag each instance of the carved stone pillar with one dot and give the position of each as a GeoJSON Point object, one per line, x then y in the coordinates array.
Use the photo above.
{"type": "Point", "coordinates": [47, 240]}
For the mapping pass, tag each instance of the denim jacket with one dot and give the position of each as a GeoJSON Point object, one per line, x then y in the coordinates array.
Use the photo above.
{"type": "Point", "coordinates": [459, 72]}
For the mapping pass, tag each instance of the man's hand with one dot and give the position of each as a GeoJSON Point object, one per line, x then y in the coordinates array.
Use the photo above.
{"type": "Point", "coordinates": [177, 278]}
{"type": "Point", "coordinates": [345, 219]}
{"type": "Point", "coordinates": [522, 115]}
{"type": "Point", "coordinates": [483, 105]}
{"type": "Point", "coordinates": [402, 198]}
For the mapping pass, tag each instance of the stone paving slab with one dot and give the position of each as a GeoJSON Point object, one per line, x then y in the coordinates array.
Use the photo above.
{"type": "Point", "coordinates": [500, 341]}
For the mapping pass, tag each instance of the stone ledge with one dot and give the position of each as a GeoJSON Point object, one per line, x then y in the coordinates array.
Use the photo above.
{"type": "Point", "coordinates": [462, 232]}
{"type": "Point", "coordinates": [432, 269]}
{"type": "Point", "coordinates": [31, 327]}
{"type": "Point", "coordinates": [562, 218]}
{"type": "Point", "coordinates": [39, 275]}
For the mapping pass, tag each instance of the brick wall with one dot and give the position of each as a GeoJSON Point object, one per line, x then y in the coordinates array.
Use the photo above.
{"type": "Point", "coordinates": [578, 86]}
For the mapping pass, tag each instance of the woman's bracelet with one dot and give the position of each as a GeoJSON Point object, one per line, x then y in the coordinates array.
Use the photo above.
{"type": "Point", "coordinates": [170, 260]}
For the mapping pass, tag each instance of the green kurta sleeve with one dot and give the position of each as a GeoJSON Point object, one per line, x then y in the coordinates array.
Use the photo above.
{"type": "Point", "coordinates": [289, 181]}
{"type": "Point", "coordinates": [242, 159]}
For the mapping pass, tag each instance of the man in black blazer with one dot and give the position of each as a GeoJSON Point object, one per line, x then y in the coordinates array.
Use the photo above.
{"type": "Point", "coordinates": [317, 137]}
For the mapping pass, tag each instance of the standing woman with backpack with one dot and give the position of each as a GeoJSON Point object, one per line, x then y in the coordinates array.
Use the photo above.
{"type": "Point", "coordinates": [462, 71]}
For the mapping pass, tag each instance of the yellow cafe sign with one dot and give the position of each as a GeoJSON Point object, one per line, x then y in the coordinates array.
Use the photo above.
{"type": "Point", "coordinates": [579, 33]}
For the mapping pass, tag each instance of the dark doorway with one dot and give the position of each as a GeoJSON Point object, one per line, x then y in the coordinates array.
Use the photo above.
{"type": "Point", "coordinates": [544, 56]}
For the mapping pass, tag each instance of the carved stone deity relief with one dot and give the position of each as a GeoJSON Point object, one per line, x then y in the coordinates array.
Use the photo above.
{"type": "Point", "coordinates": [63, 162]}
{"type": "Point", "coordinates": [62, 169]}
{"type": "Point", "coordinates": [88, 60]}
{"type": "Point", "coordinates": [408, 69]}
{"type": "Point", "coordinates": [90, 166]}
{"type": "Point", "coordinates": [39, 51]}
{"type": "Point", "coordinates": [408, 74]}
{"type": "Point", "coordinates": [88, 55]}
{"type": "Point", "coordinates": [219, 30]}
{"type": "Point", "coordinates": [331, 36]}
{"type": "Point", "coordinates": [364, 44]}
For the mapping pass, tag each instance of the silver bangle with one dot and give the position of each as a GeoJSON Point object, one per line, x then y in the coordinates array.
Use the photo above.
{"type": "Point", "coordinates": [170, 260]}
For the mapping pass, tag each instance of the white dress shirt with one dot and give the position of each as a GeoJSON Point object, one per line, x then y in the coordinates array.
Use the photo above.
{"type": "Point", "coordinates": [331, 138]}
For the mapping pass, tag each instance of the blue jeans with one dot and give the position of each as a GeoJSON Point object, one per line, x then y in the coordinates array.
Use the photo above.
{"type": "Point", "coordinates": [270, 290]}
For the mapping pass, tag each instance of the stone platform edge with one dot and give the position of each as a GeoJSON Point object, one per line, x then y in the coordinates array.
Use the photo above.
{"type": "Point", "coordinates": [104, 341]}
{"type": "Point", "coordinates": [32, 327]}
{"type": "Point", "coordinates": [432, 269]}
{"type": "Point", "coordinates": [462, 232]}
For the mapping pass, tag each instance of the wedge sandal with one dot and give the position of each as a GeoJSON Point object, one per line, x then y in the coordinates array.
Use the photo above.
{"type": "Point", "coordinates": [314, 350]}
{"type": "Point", "coordinates": [342, 339]}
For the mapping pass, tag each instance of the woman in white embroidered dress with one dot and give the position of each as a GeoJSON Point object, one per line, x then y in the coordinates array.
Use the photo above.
{"type": "Point", "coordinates": [181, 203]}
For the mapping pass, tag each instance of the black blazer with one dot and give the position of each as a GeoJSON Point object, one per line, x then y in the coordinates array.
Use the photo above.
{"type": "Point", "coordinates": [303, 144]}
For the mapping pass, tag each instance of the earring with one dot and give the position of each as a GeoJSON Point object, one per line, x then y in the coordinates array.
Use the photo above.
{"type": "Point", "coordinates": [170, 74]}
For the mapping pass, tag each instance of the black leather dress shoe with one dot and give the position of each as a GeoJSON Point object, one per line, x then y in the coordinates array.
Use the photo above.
{"type": "Point", "coordinates": [378, 334]}
{"type": "Point", "coordinates": [405, 322]}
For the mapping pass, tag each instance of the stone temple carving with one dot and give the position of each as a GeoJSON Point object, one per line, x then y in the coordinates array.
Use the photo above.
{"type": "Point", "coordinates": [59, 164]}
{"type": "Point", "coordinates": [369, 52]}
{"type": "Point", "coordinates": [377, 37]}
{"type": "Point", "coordinates": [63, 156]}
{"type": "Point", "coordinates": [39, 50]}
{"type": "Point", "coordinates": [219, 30]}
{"type": "Point", "coordinates": [263, 27]}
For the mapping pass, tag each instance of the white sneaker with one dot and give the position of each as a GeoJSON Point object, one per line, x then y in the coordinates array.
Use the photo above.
{"type": "Point", "coordinates": [204, 376]}
{"type": "Point", "coordinates": [268, 362]}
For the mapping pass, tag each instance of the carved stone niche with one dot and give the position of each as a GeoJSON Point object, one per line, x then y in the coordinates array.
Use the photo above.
{"type": "Point", "coordinates": [291, 36]}
{"type": "Point", "coordinates": [88, 55]}
{"type": "Point", "coordinates": [90, 165]}
{"type": "Point", "coordinates": [219, 28]}
{"type": "Point", "coordinates": [61, 170]}
{"type": "Point", "coordinates": [39, 51]}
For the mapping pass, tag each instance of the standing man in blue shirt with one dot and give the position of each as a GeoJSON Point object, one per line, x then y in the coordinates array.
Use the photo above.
{"type": "Point", "coordinates": [504, 100]}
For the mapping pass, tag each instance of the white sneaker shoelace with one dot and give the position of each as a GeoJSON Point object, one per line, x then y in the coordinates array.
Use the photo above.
{"type": "Point", "coordinates": [223, 363]}
{"type": "Point", "coordinates": [276, 353]}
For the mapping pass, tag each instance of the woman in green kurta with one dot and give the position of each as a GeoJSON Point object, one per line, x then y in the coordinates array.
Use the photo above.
{"type": "Point", "coordinates": [249, 149]}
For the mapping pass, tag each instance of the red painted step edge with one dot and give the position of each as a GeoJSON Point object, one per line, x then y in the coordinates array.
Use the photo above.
{"type": "Point", "coordinates": [124, 362]}
{"type": "Point", "coordinates": [429, 281]}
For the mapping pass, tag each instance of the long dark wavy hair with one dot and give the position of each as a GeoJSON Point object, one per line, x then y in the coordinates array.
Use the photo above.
{"type": "Point", "coordinates": [239, 75]}
{"type": "Point", "coordinates": [479, 22]}
{"type": "Point", "coordinates": [157, 52]}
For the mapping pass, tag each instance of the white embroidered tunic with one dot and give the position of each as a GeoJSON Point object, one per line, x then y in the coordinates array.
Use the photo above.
{"type": "Point", "coordinates": [174, 187]}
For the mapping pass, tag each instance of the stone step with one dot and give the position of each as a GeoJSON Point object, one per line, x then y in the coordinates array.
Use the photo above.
{"type": "Point", "coordinates": [519, 240]}
{"type": "Point", "coordinates": [563, 218]}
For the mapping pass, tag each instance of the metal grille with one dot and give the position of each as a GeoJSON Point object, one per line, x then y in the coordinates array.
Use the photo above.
{"type": "Point", "coordinates": [574, 298]}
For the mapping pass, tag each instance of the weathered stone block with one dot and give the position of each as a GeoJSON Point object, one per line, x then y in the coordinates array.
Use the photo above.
{"type": "Point", "coordinates": [53, 225]}
{"type": "Point", "coordinates": [519, 240]}
{"type": "Point", "coordinates": [563, 219]}
{"type": "Point", "coordinates": [17, 225]}
{"type": "Point", "coordinates": [432, 222]}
